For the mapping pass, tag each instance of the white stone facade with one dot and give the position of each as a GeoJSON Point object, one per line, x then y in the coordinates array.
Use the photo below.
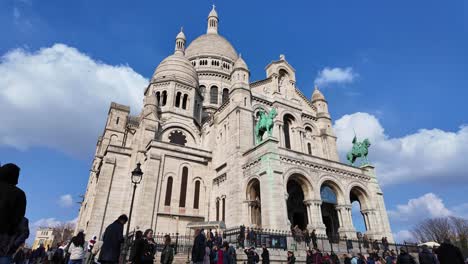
{"type": "Point", "coordinates": [195, 140]}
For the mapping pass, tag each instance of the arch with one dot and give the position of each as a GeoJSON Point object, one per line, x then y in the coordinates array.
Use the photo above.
{"type": "Point", "coordinates": [214, 95]}
{"type": "Point", "coordinates": [309, 148]}
{"type": "Point", "coordinates": [359, 202]}
{"type": "Point", "coordinates": [225, 96]}
{"type": "Point", "coordinates": [183, 186]}
{"type": "Point", "coordinates": [217, 209]}
{"type": "Point", "coordinates": [184, 101]}
{"type": "Point", "coordinates": [298, 189]}
{"type": "Point", "coordinates": [177, 100]}
{"type": "Point", "coordinates": [223, 211]}
{"type": "Point", "coordinates": [167, 200]}
{"type": "Point", "coordinates": [202, 89]}
{"type": "Point", "coordinates": [169, 126]}
{"type": "Point", "coordinates": [158, 97]}
{"type": "Point", "coordinates": [253, 197]}
{"type": "Point", "coordinates": [196, 195]}
{"type": "Point", "coordinates": [358, 193]}
{"type": "Point", "coordinates": [334, 184]}
{"type": "Point", "coordinates": [287, 125]}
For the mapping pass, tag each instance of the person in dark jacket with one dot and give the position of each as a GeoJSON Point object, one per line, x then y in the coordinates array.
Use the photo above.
{"type": "Point", "coordinates": [265, 255]}
{"type": "Point", "coordinates": [198, 249]}
{"type": "Point", "coordinates": [136, 244]}
{"type": "Point", "coordinates": [251, 255]}
{"type": "Point", "coordinates": [405, 258]}
{"type": "Point", "coordinates": [232, 255]}
{"type": "Point", "coordinates": [449, 254]}
{"type": "Point", "coordinates": [167, 254]}
{"type": "Point", "coordinates": [314, 238]}
{"type": "Point", "coordinates": [112, 241]}
{"type": "Point", "coordinates": [291, 257]}
{"type": "Point", "coordinates": [12, 199]}
{"type": "Point", "coordinates": [9, 243]}
{"type": "Point", "coordinates": [426, 256]}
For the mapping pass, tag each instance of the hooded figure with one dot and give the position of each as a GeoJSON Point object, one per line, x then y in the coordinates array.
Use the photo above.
{"type": "Point", "coordinates": [12, 199]}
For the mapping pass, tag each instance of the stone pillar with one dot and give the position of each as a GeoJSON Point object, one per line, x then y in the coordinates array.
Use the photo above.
{"type": "Point", "coordinates": [346, 223]}
{"type": "Point", "coordinates": [316, 220]}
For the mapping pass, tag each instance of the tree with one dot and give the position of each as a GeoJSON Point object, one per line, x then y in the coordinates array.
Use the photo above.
{"type": "Point", "coordinates": [62, 232]}
{"type": "Point", "coordinates": [433, 229]}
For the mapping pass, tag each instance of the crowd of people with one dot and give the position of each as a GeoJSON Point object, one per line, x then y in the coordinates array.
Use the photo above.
{"type": "Point", "coordinates": [209, 248]}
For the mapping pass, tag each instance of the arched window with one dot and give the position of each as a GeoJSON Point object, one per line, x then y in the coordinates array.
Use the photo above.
{"type": "Point", "coordinates": [196, 197]}
{"type": "Point", "coordinates": [164, 98]}
{"type": "Point", "coordinates": [117, 121]}
{"type": "Point", "coordinates": [214, 95]}
{"type": "Point", "coordinates": [309, 148]}
{"type": "Point", "coordinates": [225, 95]}
{"type": "Point", "coordinates": [217, 209]}
{"type": "Point", "coordinates": [158, 97]}
{"type": "Point", "coordinates": [287, 122]}
{"type": "Point", "coordinates": [177, 99]}
{"type": "Point", "coordinates": [184, 101]}
{"type": "Point", "coordinates": [183, 187]}
{"type": "Point", "coordinates": [167, 200]}
{"type": "Point", "coordinates": [223, 218]}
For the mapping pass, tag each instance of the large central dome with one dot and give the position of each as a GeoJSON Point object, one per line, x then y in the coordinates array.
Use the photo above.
{"type": "Point", "coordinates": [211, 44]}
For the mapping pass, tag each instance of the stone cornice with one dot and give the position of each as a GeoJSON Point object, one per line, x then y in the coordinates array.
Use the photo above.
{"type": "Point", "coordinates": [261, 100]}
{"type": "Point", "coordinates": [260, 82]}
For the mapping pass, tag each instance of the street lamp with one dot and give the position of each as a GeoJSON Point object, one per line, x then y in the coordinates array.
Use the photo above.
{"type": "Point", "coordinates": [137, 175]}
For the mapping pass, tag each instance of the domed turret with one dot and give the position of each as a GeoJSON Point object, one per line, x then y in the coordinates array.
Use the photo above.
{"type": "Point", "coordinates": [317, 95]}
{"type": "Point", "coordinates": [177, 66]}
{"type": "Point", "coordinates": [212, 22]}
{"type": "Point", "coordinates": [240, 64]}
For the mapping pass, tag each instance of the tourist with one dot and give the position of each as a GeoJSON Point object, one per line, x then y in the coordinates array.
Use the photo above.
{"type": "Point", "coordinates": [307, 237]}
{"type": "Point", "coordinates": [426, 256]}
{"type": "Point", "coordinates": [291, 258]}
{"type": "Point", "coordinates": [335, 259]}
{"type": "Point", "coordinates": [355, 259]}
{"type": "Point", "coordinates": [77, 249]}
{"type": "Point", "coordinates": [96, 251]}
{"type": "Point", "coordinates": [13, 224]}
{"type": "Point", "coordinates": [209, 239]}
{"type": "Point", "coordinates": [19, 256]}
{"type": "Point", "coordinates": [346, 259]}
{"type": "Point", "coordinates": [316, 256]}
{"type": "Point", "coordinates": [365, 241]}
{"type": "Point", "coordinates": [198, 249]}
{"type": "Point", "coordinates": [91, 243]}
{"type": "Point", "coordinates": [241, 237]}
{"type": "Point", "coordinates": [57, 257]}
{"type": "Point", "coordinates": [375, 246]}
{"type": "Point", "coordinates": [405, 258]}
{"type": "Point", "coordinates": [220, 255]}
{"type": "Point", "coordinates": [232, 254]}
{"type": "Point", "coordinates": [379, 260]}
{"type": "Point", "coordinates": [148, 250]}
{"type": "Point", "coordinates": [326, 259]}
{"type": "Point", "coordinates": [314, 239]}
{"type": "Point", "coordinates": [309, 256]}
{"type": "Point", "coordinates": [214, 255]}
{"type": "Point", "coordinates": [265, 255]}
{"type": "Point", "coordinates": [390, 257]}
{"type": "Point", "coordinates": [206, 258]}
{"type": "Point", "coordinates": [385, 243]}
{"type": "Point", "coordinates": [252, 256]}
{"type": "Point", "coordinates": [112, 240]}
{"type": "Point", "coordinates": [167, 254]}
{"type": "Point", "coordinates": [133, 249]}
{"type": "Point", "coordinates": [226, 257]}
{"type": "Point", "coordinates": [449, 254]}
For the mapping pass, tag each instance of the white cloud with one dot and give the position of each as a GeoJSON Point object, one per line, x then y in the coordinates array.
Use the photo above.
{"type": "Point", "coordinates": [335, 75]}
{"type": "Point", "coordinates": [427, 206]}
{"type": "Point", "coordinates": [66, 200]}
{"type": "Point", "coordinates": [58, 97]}
{"type": "Point", "coordinates": [403, 235]}
{"type": "Point", "coordinates": [429, 155]}
{"type": "Point", "coordinates": [45, 222]}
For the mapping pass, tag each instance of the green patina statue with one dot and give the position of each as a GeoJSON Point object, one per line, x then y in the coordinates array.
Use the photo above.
{"type": "Point", "coordinates": [264, 124]}
{"type": "Point", "coordinates": [359, 150]}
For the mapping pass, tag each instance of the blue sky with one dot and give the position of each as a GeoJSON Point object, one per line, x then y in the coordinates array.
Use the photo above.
{"type": "Point", "coordinates": [401, 79]}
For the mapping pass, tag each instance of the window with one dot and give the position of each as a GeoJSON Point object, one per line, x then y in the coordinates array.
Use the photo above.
{"type": "Point", "coordinates": [214, 95]}
{"type": "Point", "coordinates": [177, 100]}
{"type": "Point", "coordinates": [177, 137]}
{"type": "Point", "coordinates": [158, 97]}
{"type": "Point", "coordinates": [184, 102]}
{"type": "Point", "coordinates": [309, 149]}
{"type": "Point", "coordinates": [117, 121]}
{"type": "Point", "coordinates": [202, 90]}
{"type": "Point", "coordinates": [196, 197]}
{"type": "Point", "coordinates": [167, 200]}
{"type": "Point", "coordinates": [217, 209]}
{"type": "Point", "coordinates": [225, 95]}
{"type": "Point", "coordinates": [287, 121]}
{"type": "Point", "coordinates": [224, 208]}
{"type": "Point", "coordinates": [164, 99]}
{"type": "Point", "coordinates": [183, 187]}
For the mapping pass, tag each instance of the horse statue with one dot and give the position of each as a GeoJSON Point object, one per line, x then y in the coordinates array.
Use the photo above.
{"type": "Point", "coordinates": [264, 124]}
{"type": "Point", "coordinates": [359, 150]}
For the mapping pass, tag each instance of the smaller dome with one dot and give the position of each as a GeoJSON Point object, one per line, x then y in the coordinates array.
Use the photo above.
{"type": "Point", "coordinates": [213, 13]}
{"type": "Point", "coordinates": [176, 67]}
{"type": "Point", "coordinates": [317, 95]}
{"type": "Point", "coordinates": [181, 35]}
{"type": "Point", "coordinates": [240, 64]}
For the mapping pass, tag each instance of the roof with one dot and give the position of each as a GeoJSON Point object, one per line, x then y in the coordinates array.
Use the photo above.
{"type": "Point", "coordinates": [211, 44]}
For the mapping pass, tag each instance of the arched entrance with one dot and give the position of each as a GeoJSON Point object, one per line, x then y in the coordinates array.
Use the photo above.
{"type": "Point", "coordinates": [297, 211]}
{"type": "Point", "coordinates": [329, 214]}
{"type": "Point", "coordinates": [254, 202]}
{"type": "Point", "coordinates": [358, 198]}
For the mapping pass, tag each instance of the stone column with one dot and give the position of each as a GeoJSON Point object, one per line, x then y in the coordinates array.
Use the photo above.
{"type": "Point", "coordinates": [308, 204]}
{"type": "Point", "coordinates": [346, 224]}
{"type": "Point", "coordinates": [316, 221]}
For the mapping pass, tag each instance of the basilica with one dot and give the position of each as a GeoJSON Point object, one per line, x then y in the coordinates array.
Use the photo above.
{"type": "Point", "coordinates": [195, 138]}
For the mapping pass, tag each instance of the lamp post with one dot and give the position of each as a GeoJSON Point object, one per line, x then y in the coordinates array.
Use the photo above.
{"type": "Point", "coordinates": [137, 175]}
